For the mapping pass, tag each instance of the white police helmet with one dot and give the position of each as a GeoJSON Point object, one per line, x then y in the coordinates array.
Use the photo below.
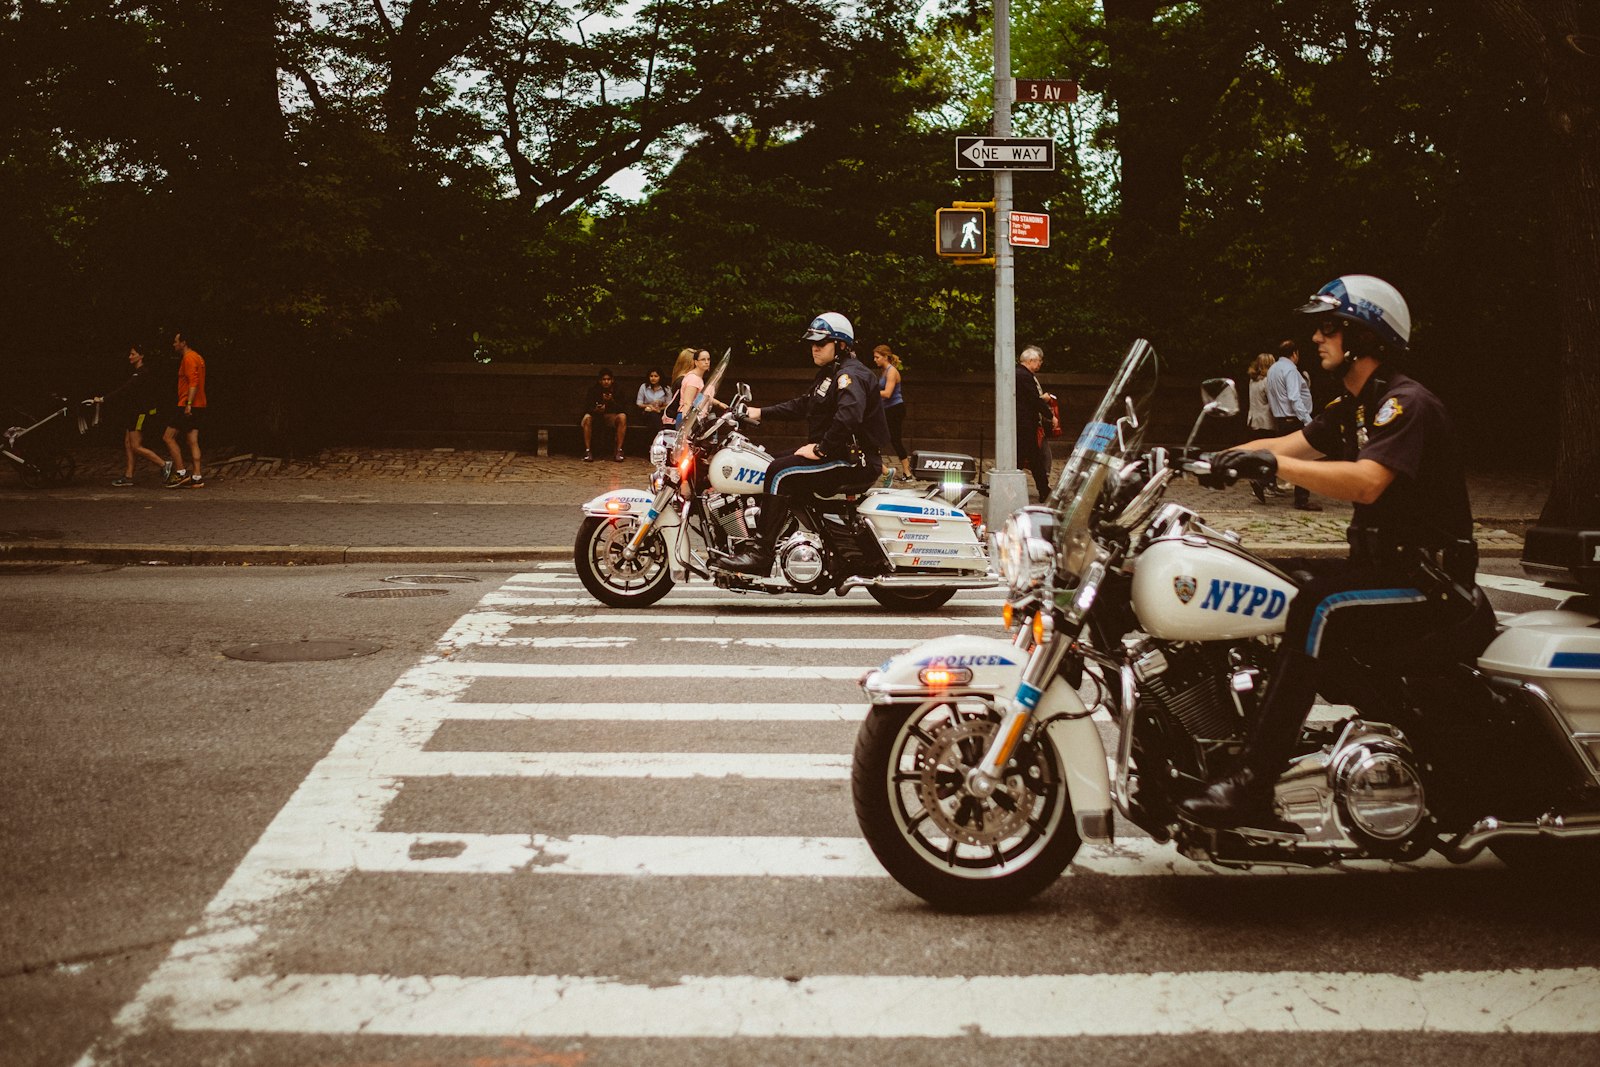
{"type": "Point", "coordinates": [830, 326]}
{"type": "Point", "coordinates": [1372, 302]}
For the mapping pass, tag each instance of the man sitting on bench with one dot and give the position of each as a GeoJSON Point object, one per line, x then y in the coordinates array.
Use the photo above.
{"type": "Point", "coordinates": [604, 406]}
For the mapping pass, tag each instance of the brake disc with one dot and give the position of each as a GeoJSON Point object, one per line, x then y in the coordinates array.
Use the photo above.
{"type": "Point", "coordinates": [952, 751]}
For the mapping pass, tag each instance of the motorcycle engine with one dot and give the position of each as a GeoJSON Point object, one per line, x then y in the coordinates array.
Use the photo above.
{"type": "Point", "coordinates": [1195, 684]}
{"type": "Point", "coordinates": [801, 558]}
{"type": "Point", "coordinates": [728, 513]}
{"type": "Point", "coordinates": [1363, 793]}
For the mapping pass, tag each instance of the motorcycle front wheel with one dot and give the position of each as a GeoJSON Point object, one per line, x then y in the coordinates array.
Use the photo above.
{"type": "Point", "coordinates": [958, 851]}
{"type": "Point", "coordinates": [911, 599]}
{"type": "Point", "coordinates": [610, 577]}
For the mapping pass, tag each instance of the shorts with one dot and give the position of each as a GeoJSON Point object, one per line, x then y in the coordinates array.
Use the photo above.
{"type": "Point", "coordinates": [138, 421]}
{"type": "Point", "coordinates": [184, 423]}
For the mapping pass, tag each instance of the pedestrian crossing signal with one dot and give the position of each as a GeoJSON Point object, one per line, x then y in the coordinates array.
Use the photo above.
{"type": "Point", "coordinates": [962, 232]}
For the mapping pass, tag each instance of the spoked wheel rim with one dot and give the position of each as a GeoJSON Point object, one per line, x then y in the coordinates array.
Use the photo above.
{"type": "Point", "coordinates": [59, 469]}
{"type": "Point", "coordinates": [608, 558]}
{"type": "Point", "coordinates": [961, 834]}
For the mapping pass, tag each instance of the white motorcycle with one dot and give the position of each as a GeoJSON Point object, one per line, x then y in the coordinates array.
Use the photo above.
{"type": "Point", "coordinates": [978, 770]}
{"type": "Point", "coordinates": [911, 551]}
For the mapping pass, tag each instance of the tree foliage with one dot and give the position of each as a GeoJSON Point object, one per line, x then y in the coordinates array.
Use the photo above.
{"type": "Point", "coordinates": [318, 189]}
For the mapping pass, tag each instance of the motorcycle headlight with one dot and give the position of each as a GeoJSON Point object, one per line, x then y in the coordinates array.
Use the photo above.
{"type": "Point", "coordinates": [661, 447]}
{"type": "Point", "coordinates": [1026, 548]}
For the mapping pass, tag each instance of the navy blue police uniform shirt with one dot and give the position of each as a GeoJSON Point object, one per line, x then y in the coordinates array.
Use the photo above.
{"type": "Point", "coordinates": [1398, 422]}
{"type": "Point", "coordinates": [842, 409]}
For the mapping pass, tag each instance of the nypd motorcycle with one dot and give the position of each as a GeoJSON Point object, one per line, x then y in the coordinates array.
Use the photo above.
{"type": "Point", "coordinates": [979, 769]}
{"type": "Point", "coordinates": [911, 551]}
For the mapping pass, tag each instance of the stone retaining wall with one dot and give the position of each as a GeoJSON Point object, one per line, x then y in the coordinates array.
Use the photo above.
{"type": "Point", "coordinates": [503, 405]}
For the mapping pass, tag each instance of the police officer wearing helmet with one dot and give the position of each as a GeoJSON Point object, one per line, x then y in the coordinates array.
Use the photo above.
{"type": "Point", "coordinates": [1411, 571]}
{"type": "Point", "coordinates": [845, 425]}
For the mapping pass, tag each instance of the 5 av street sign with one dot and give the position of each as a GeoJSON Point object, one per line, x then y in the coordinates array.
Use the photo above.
{"type": "Point", "coordinates": [1005, 153]}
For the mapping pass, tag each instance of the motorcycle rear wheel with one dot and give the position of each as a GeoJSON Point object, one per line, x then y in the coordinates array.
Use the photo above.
{"type": "Point", "coordinates": [911, 599]}
{"type": "Point", "coordinates": [956, 851]}
{"type": "Point", "coordinates": [612, 579]}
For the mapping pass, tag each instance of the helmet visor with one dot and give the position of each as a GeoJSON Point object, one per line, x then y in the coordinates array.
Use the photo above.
{"type": "Point", "coordinates": [815, 334]}
{"type": "Point", "coordinates": [1320, 304]}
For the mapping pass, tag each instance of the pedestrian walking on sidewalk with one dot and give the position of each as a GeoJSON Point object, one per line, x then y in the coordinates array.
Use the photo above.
{"type": "Point", "coordinates": [1260, 418]}
{"type": "Point", "coordinates": [189, 416]}
{"type": "Point", "coordinates": [1289, 397]}
{"type": "Point", "coordinates": [890, 371]}
{"type": "Point", "coordinates": [1033, 414]}
{"type": "Point", "coordinates": [136, 403]}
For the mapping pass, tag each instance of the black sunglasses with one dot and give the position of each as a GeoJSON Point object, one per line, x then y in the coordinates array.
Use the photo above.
{"type": "Point", "coordinates": [1329, 326]}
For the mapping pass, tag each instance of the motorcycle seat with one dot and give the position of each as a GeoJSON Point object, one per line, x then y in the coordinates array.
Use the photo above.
{"type": "Point", "coordinates": [866, 480]}
{"type": "Point", "coordinates": [1462, 641]}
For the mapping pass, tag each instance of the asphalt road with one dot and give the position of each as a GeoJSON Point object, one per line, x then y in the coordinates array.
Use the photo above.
{"type": "Point", "coordinates": [407, 856]}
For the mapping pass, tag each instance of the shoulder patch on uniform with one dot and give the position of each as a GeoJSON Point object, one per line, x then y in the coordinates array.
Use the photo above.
{"type": "Point", "coordinates": [1390, 411]}
{"type": "Point", "coordinates": [844, 381]}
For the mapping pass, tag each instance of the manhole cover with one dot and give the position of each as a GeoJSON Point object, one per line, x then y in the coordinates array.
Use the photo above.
{"type": "Point", "coordinates": [301, 651]}
{"type": "Point", "coordinates": [430, 579]}
{"type": "Point", "coordinates": [391, 594]}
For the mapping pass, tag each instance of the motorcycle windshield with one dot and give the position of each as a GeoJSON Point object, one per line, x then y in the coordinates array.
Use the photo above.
{"type": "Point", "coordinates": [1101, 444]}
{"type": "Point", "coordinates": [701, 410]}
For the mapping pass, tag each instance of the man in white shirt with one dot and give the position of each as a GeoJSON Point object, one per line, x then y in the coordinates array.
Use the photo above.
{"type": "Point", "coordinates": [1289, 397]}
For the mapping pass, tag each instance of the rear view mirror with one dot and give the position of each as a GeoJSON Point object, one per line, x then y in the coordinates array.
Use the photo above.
{"type": "Point", "coordinates": [1221, 398]}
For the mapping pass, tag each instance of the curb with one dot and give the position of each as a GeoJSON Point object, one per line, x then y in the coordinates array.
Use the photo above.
{"type": "Point", "coordinates": [319, 555]}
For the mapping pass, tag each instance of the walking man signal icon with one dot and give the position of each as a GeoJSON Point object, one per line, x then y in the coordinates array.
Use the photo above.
{"type": "Point", "coordinates": [962, 233]}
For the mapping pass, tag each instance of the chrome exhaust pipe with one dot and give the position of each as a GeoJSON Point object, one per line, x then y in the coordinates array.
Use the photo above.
{"type": "Point", "coordinates": [1550, 825]}
{"type": "Point", "coordinates": [919, 581]}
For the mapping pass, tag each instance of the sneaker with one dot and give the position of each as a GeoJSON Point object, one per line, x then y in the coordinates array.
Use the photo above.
{"type": "Point", "coordinates": [197, 482]}
{"type": "Point", "coordinates": [178, 478]}
{"type": "Point", "coordinates": [122, 483]}
{"type": "Point", "coordinates": [166, 472]}
{"type": "Point", "coordinates": [588, 457]}
{"type": "Point", "coordinates": [619, 455]}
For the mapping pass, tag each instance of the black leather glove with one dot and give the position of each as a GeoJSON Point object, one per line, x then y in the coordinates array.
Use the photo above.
{"type": "Point", "coordinates": [1217, 479]}
{"type": "Point", "coordinates": [1242, 463]}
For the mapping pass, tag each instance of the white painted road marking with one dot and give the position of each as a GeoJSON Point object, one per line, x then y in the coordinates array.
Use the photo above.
{"type": "Point", "coordinates": [896, 1006]}
{"type": "Point", "coordinates": [329, 828]}
{"type": "Point", "coordinates": [676, 856]}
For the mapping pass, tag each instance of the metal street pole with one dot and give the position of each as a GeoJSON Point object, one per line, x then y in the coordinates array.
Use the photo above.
{"type": "Point", "coordinates": [1008, 486]}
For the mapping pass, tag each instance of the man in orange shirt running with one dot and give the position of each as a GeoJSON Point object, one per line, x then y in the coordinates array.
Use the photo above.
{"type": "Point", "coordinates": [189, 415]}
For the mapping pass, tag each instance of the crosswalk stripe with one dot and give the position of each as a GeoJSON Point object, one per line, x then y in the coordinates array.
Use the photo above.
{"type": "Point", "coordinates": [669, 856]}
{"type": "Point", "coordinates": [988, 622]}
{"type": "Point", "coordinates": [647, 712]}
{"type": "Point", "coordinates": [789, 603]}
{"type": "Point", "coordinates": [762, 765]}
{"type": "Point", "coordinates": [843, 644]}
{"type": "Point", "coordinates": [729, 671]}
{"type": "Point", "coordinates": [1557, 1001]}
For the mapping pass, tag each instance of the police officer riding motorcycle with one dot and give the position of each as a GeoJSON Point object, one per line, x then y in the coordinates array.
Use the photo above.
{"type": "Point", "coordinates": [1390, 449]}
{"type": "Point", "coordinates": [845, 425]}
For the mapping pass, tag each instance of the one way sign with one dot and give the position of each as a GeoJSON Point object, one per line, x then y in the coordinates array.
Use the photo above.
{"type": "Point", "coordinates": [1005, 153]}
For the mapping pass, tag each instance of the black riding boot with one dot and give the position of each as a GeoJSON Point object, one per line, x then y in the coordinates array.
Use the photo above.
{"type": "Point", "coordinates": [1244, 799]}
{"type": "Point", "coordinates": [757, 560]}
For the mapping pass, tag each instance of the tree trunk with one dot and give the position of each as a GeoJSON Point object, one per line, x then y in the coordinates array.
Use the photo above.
{"type": "Point", "coordinates": [1559, 49]}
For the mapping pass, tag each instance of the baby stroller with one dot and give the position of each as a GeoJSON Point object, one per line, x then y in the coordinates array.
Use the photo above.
{"type": "Point", "coordinates": [38, 452]}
